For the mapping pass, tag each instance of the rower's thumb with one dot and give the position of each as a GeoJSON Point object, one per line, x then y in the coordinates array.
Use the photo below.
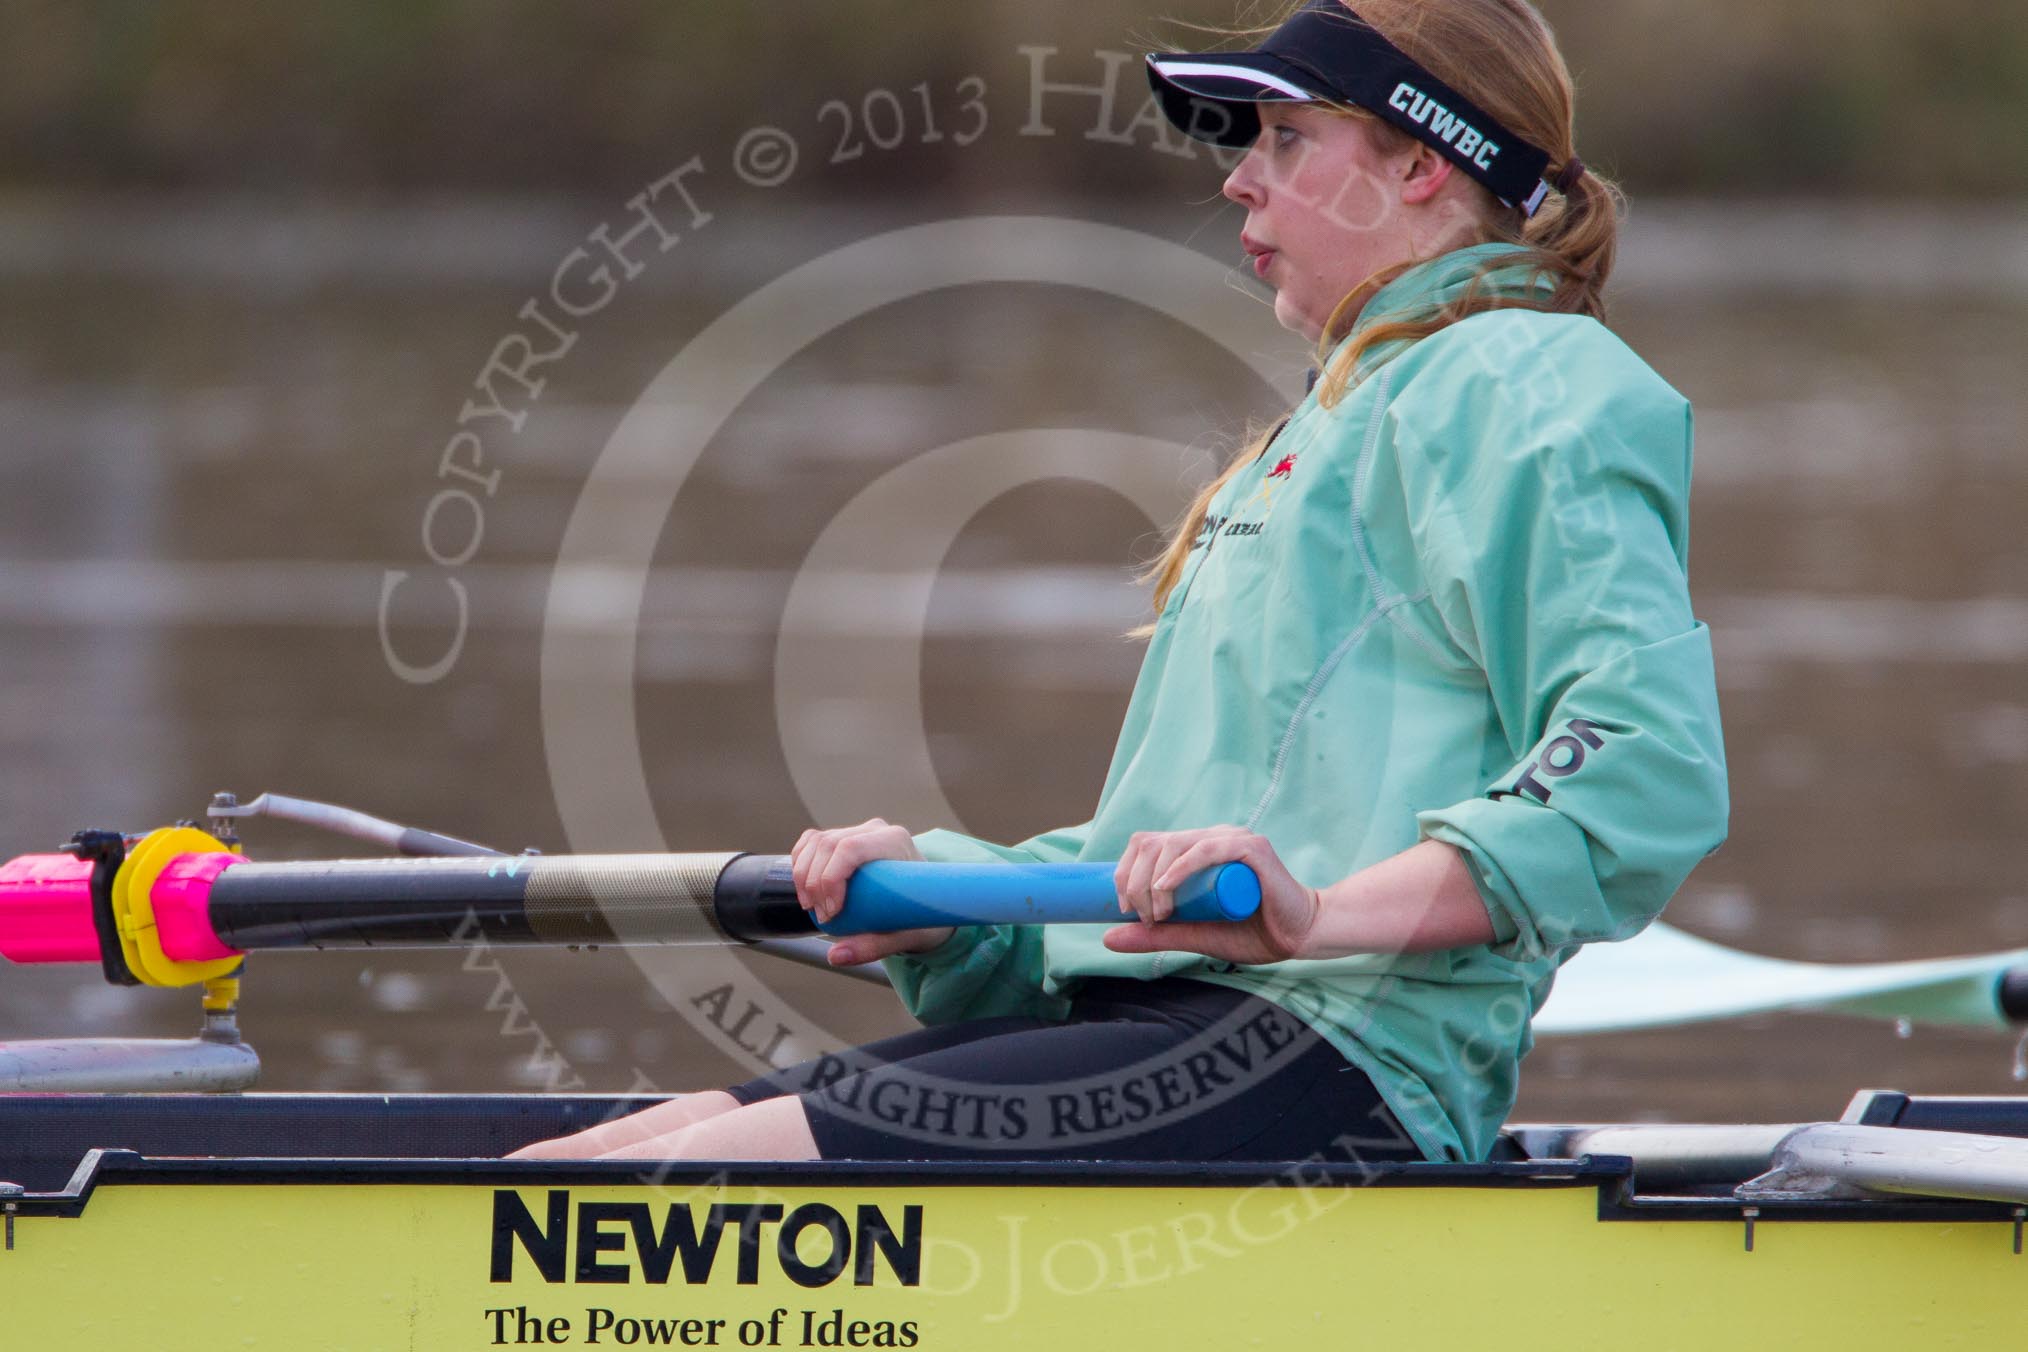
{"type": "Point", "coordinates": [855, 951]}
{"type": "Point", "coordinates": [872, 947]}
{"type": "Point", "coordinates": [1168, 937]}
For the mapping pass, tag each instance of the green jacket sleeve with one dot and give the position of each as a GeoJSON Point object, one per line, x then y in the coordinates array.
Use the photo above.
{"type": "Point", "coordinates": [983, 970]}
{"type": "Point", "coordinates": [1551, 502]}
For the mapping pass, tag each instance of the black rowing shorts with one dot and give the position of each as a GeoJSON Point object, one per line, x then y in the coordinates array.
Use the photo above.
{"type": "Point", "coordinates": [1172, 1069]}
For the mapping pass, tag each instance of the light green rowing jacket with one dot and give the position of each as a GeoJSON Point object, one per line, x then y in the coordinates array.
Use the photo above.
{"type": "Point", "coordinates": [1453, 607]}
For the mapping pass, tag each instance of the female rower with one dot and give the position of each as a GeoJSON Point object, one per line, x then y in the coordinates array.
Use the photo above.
{"type": "Point", "coordinates": [1426, 649]}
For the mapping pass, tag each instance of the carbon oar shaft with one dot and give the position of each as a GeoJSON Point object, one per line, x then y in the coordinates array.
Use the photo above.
{"type": "Point", "coordinates": [510, 899]}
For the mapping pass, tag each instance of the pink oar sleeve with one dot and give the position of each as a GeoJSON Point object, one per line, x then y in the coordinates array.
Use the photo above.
{"type": "Point", "coordinates": [182, 897]}
{"type": "Point", "coordinates": [46, 909]}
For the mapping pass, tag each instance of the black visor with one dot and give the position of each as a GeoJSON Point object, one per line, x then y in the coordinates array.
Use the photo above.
{"type": "Point", "coordinates": [1327, 53]}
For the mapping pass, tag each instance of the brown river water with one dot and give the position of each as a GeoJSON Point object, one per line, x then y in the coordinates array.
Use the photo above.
{"type": "Point", "coordinates": [222, 428]}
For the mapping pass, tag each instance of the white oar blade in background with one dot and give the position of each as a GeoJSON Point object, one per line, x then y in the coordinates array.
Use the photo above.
{"type": "Point", "coordinates": [1663, 977]}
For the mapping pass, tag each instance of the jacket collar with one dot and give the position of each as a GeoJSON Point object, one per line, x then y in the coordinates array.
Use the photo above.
{"type": "Point", "coordinates": [1433, 283]}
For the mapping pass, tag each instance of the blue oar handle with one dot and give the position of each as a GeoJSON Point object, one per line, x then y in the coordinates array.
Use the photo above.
{"type": "Point", "coordinates": [896, 895]}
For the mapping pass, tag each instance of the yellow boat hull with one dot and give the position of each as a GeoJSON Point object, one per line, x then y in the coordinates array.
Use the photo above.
{"type": "Point", "coordinates": [363, 1254]}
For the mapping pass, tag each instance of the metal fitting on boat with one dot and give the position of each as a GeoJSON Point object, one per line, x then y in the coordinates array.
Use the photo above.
{"type": "Point", "coordinates": [10, 1191]}
{"type": "Point", "coordinates": [1837, 1159]}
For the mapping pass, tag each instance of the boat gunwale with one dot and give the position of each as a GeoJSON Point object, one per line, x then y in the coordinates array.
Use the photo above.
{"type": "Point", "coordinates": [127, 1167]}
{"type": "Point", "coordinates": [1612, 1176]}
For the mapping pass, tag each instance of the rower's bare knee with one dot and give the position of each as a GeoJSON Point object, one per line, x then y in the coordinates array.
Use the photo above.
{"type": "Point", "coordinates": [650, 1123]}
{"type": "Point", "coordinates": [773, 1129]}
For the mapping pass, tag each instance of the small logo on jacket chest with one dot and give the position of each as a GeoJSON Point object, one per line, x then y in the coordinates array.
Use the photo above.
{"type": "Point", "coordinates": [1263, 498]}
{"type": "Point", "coordinates": [1225, 525]}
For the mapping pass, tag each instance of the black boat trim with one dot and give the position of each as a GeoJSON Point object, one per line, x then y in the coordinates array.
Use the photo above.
{"type": "Point", "coordinates": [102, 1167]}
{"type": "Point", "coordinates": [1610, 1175]}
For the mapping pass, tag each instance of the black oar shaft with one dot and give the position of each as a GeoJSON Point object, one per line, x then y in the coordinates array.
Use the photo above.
{"type": "Point", "coordinates": [506, 899]}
